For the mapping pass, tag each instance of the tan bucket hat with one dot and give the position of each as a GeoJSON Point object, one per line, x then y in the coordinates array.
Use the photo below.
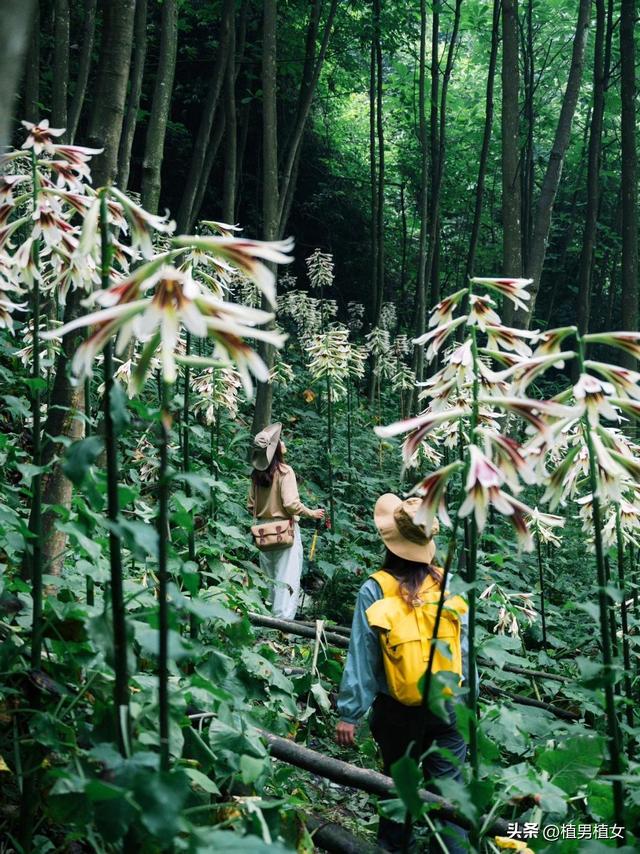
{"type": "Point", "coordinates": [394, 521]}
{"type": "Point", "coordinates": [264, 446]}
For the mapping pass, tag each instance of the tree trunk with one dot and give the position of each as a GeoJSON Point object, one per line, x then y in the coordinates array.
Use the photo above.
{"type": "Point", "coordinates": [553, 173]}
{"type": "Point", "coordinates": [421, 294]}
{"type": "Point", "coordinates": [528, 169]}
{"type": "Point", "coordinates": [600, 75]}
{"type": "Point", "coordinates": [380, 147]}
{"type": "Point", "coordinates": [17, 19]}
{"type": "Point", "coordinates": [230, 132]}
{"type": "Point", "coordinates": [31, 107]}
{"type": "Point", "coordinates": [64, 418]}
{"type": "Point", "coordinates": [311, 74]}
{"type": "Point", "coordinates": [135, 91]}
{"type": "Point", "coordinates": [270, 195]}
{"type": "Point", "coordinates": [160, 107]}
{"type": "Point", "coordinates": [434, 154]}
{"type": "Point", "coordinates": [628, 174]}
{"type": "Point", "coordinates": [201, 145]}
{"type": "Point", "coordinates": [486, 141]}
{"type": "Point", "coordinates": [373, 179]}
{"type": "Point", "coordinates": [84, 64]}
{"type": "Point", "coordinates": [105, 125]}
{"type": "Point", "coordinates": [210, 159]}
{"type": "Point", "coordinates": [60, 80]}
{"type": "Point", "coordinates": [511, 186]}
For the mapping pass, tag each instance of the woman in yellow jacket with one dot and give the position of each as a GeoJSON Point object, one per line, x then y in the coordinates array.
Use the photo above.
{"type": "Point", "coordinates": [388, 655]}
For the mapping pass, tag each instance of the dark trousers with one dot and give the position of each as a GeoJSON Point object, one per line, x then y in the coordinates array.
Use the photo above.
{"type": "Point", "coordinates": [394, 726]}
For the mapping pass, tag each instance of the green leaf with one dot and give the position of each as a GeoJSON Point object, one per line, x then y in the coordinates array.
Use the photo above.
{"type": "Point", "coordinates": [202, 781]}
{"type": "Point", "coordinates": [321, 696]}
{"type": "Point", "coordinates": [18, 406]}
{"type": "Point", "coordinates": [573, 762]}
{"type": "Point", "coordinates": [161, 797]}
{"type": "Point", "coordinates": [251, 768]}
{"type": "Point", "coordinates": [80, 456]}
{"type": "Point", "coordinates": [29, 471]}
{"type": "Point", "coordinates": [140, 537]}
{"type": "Point", "coordinates": [408, 779]}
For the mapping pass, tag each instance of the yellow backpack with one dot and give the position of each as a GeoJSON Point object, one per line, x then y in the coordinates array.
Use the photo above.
{"type": "Point", "coordinates": [406, 632]}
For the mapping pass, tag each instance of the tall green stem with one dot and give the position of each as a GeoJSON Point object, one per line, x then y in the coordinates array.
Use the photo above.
{"type": "Point", "coordinates": [90, 586]}
{"type": "Point", "coordinates": [121, 687]}
{"type": "Point", "coordinates": [36, 483]}
{"type": "Point", "coordinates": [472, 699]}
{"type": "Point", "coordinates": [603, 608]}
{"type": "Point", "coordinates": [330, 456]}
{"type": "Point", "coordinates": [542, 602]}
{"type": "Point", "coordinates": [186, 467]}
{"type": "Point", "coordinates": [163, 616]}
{"type": "Point", "coordinates": [626, 654]}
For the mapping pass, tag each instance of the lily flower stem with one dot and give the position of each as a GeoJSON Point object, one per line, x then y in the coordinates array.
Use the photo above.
{"type": "Point", "coordinates": [613, 733]}
{"type": "Point", "coordinates": [36, 483]}
{"type": "Point", "coordinates": [90, 586]}
{"type": "Point", "coordinates": [186, 467]}
{"type": "Point", "coordinates": [543, 618]}
{"type": "Point", "coordinates": [472, 698]}
{"type": "Point", "coordinates": [330, 459]}
{"type": "Point", "coordinates": [163, 615]}
{"type": "Point", "coordinates": [626, 656]}
{"type": "Point", "coordinates": [121, 687]}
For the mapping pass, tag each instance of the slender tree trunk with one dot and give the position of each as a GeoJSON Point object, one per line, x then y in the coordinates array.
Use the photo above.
{"type": "Point", "coordinates": [311, 74]}
{"type": "Point", "coordinates": [210, 159]}
{"type": "Point", "coordinates": [31, 108]}
{"type": "Point", "coordinates": [600, 74]}
{"type": "Point", "coordinates": [270, 194]}
{"type": "Point", "coordinates": [135, 91]}
{"type": "Point", "coordinates": [105, 125]}
{"type": "Point", "coordinates": [629, 177]}
{"type": "Point", "coordinates": [421, 295]}
{"type": "Point", "coordinates": [160, 107]}
{"type": "Point", "coordinates": [185, 211]}
{"type": "Point", "coordinates": [511, 186]}
{"type": "Point", "coordinates": [230, 132]}
{"type": "Point", "coordinates": [486, 140]}
{"type": "Point", "coordinates": [84, 64]}
{"type": "Point", "coordinates": [17, 19]}
{"type": "Point", "coordinates": [528, 171]}
{"type": "Point", "coordinates": [60, 79]}
{"type": "Point", "coordinates": [381, 167]}
{"type": "Point", "coordinates": [434, 154]}
{"type": "Point", "coordinates": [553, 173]}
{"type": "Point", "coordinates": [373, 176]}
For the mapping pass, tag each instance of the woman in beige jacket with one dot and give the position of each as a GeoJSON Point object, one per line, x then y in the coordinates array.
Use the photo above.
{"type": "Point", "coordinates": [274, 495]}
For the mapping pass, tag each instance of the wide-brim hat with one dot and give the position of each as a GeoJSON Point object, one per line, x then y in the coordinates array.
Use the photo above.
{"type": "Point", "coordinates": [394, 521]}
{"type": "Point", "coordinates": [264, 446]}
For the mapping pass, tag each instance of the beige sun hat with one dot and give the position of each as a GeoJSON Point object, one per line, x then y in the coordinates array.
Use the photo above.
{"type": "Point", "coordinates": [394, 521]}
{"type": "Point", "coordinates": [264, 446]}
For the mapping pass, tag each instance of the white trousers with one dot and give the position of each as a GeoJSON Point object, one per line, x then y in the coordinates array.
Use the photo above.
{"type": "Point", "coordinates": [284, 568]}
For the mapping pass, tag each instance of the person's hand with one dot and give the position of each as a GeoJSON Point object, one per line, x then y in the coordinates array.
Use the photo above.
{"type": "Point", "coordinates": [345, 734]}
{"type": "Point", "coordinates": [318, 514]}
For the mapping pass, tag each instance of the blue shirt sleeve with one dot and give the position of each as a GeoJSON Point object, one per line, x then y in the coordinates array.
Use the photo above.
{"type": "Point", "coordinates": [363, 675]}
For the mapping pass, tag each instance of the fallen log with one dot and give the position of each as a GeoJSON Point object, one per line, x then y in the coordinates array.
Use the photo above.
{"type": "Point", "coordinates": [297, 628]}
{"type": "Point", "coordinates": [564, 714]}
{"type": "Point", "coordinates": [338, 630]}
{"type": "Point", "coordinates": [364, 779]}
{"type": "Point", "coordinates": [293, 628]}
{"type": "Point", "coordinates": [336, 839]}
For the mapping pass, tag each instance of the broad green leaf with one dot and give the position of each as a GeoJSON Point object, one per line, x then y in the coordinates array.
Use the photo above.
{"type": "Point", "coordinates": [80, 456]}
{"type": "Point", "coordinates": [408, 779]}
{"type": "Point", "coordinates": [161, 797]}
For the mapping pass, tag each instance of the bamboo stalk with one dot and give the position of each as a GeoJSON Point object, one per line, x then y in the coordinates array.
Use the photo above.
{"type": "Point", "coordinates": [626, 654]}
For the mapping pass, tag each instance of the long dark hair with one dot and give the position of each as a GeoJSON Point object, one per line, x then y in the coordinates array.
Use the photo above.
{"type": "Point", "coordinates": [411, 574]}
{"type": "Point", "coordinates": [265, 478]}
